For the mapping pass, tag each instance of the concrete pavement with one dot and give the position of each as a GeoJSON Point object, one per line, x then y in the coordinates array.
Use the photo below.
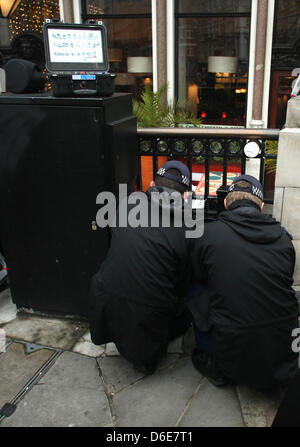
{"type": "Point", "coordinates": [53, 376]}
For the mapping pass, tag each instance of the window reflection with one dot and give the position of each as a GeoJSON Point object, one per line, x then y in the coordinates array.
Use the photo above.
{"type": "Point", "coordinates": [130, 53]}
{"type": "Point", "coordinates": [213, 67]}
{"type": "Point", "coordinates": [119, 7]}
{"type": "Point", "coordinates": [213, 6]}
{"type": "Point", "coordinates": [129, 41]}
{"type": "Point", "coordinates": [285, 58]}
{"type": "Point", "coordinates": [287, 22]}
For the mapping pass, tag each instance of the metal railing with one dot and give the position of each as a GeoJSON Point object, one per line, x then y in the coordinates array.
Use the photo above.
{"type": "Point", "coordinates": [205, 146]}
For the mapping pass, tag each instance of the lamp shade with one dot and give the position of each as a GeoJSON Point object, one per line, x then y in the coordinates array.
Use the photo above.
{"type": "Point", "coordinates": [8, 7]}
{"type": "Point", "coordinates": [139, 64]}
{"type": "Point", "coordinates": [222, 64]}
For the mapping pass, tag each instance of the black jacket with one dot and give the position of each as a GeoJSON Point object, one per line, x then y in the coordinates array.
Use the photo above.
{"type": "Point", "coordinates": [140, 290]}
{"type": "Point", "coordinates": [247, 261]}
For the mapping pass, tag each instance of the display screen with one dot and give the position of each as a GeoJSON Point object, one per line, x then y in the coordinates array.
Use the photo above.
{"type": "Point", "coordinates": [75, 46]}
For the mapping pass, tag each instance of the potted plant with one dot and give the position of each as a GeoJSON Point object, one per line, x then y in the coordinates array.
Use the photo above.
{"type": "Point", "coordinates": [270, 165]}
{"type": "Point", "coordinates": [152, 111]}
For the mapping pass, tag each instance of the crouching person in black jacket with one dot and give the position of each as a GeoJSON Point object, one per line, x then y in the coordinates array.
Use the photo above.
{"type": "Point", "coordinates": [247, 309]}
{"type": "Point", "coordinates": [137, 299]}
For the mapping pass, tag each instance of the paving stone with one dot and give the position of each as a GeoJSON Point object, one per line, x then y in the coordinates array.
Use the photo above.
{"type": "Point", "coordinates": [70, 394]}
{"type": "Point", "coordinates": [258, 409]}
{"type": "Point", "coordinates": [118, 373]}
{"type": "Point", "coordinates": [157, 400]}
{"type": "Point", "coordinates": [87, 337]}
{"type": "Point", "coordinates": [17, 368]}
{"type": "Point", "coordinates": [175, 347]}
{"type": "Point", "coordinates": [213, 407]}
{"type": "Point", "coordinates": [169, 361]}
{"type": "Point", "coordinates": [85, 346]}
{"type": "Point", "coordinates": [8, 310]}
{"type": "Point", "coordinates": [3, 341]}
{"type": "Point", "coordinates": [61, 334]}
{"type": "Point", "coordinates": [89, 349]}
{"type": "Point", "coordinates": [189, 342]}
{"type": "Point", "coordinates": [111, 350]}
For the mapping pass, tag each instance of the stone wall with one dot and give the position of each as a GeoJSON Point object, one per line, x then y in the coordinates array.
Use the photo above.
{"type": "Point", "coordinates": [287, 183]}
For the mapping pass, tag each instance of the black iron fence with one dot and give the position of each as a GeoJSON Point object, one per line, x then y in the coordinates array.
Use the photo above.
{"type": "Point", "coordinates": [207, 147]}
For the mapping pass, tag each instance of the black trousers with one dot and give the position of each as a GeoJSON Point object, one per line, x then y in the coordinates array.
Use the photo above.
{"type": "Point", "coordinates": [288, 414]}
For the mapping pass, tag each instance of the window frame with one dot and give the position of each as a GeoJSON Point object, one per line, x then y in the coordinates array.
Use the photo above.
{"type": "Point", "coordinates": [179, 16]}
{"type": "Point", "coordinates": [85, 17]}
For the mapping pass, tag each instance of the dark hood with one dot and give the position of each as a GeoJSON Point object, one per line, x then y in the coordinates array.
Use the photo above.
{"type": "Point", "coordinates": [249, 223]}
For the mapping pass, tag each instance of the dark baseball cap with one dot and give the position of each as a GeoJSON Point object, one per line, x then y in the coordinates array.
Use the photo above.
{"type": "Point", "coordinates": [255, 189]}
{"type": "Point", "coordinates": [174, 164]}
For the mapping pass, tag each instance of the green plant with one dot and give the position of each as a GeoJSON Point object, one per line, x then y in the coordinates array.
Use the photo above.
{"type": "Point", "coordinates": [271, 149]}
{"type": "Point", "coordinates": [151, 111]}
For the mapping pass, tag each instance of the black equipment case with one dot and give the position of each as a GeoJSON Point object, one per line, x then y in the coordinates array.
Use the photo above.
{"type": "Point", "coordinates": [77, 59]}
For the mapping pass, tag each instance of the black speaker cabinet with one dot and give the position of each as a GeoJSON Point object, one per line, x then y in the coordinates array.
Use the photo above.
{"type": "Point", "coordinates": [23, 76]}
{"type": "Point", "coordinates": [56, 156]}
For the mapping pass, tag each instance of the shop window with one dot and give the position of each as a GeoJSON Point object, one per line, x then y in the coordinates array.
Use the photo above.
{"type": "Point", "coordinates": [31, 14]}
{"type": "Point", "coordinates": [129, 28]}
{"type": "Point", "coordinates": [285, 58]}
{"type": "Point", "coordinates": [286, 23]}
{"type": "Point", "coordinates": [214, 6]}
{"type": "Point", "coordinates": [281, 82]}
{"type": "Point", "coordinates": [23, 33]}
{"type": "Point", "coordinates": [117, 7]}
{"type": "Point", "coordinates": [213, 76]}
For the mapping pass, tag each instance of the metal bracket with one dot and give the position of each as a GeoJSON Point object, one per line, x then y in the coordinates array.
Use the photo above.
{"type": "Point", "coordinates": [32, 347]}
{"type": "Point", "coordinates": [7, 410]}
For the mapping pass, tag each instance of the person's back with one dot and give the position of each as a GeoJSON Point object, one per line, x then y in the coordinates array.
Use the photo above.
{"type": "Point", "coordinates": [143, 263]}
{"type": "Point", "coordinates": [137, 297]}
{"type": "Point", "coordinates": [248, 259]}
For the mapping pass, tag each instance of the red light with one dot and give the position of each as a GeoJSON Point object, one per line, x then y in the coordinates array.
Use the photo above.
{"type": "Point", "coordinates": [224, 115]}
{"type": "Point", "coordinates": [203, 115]}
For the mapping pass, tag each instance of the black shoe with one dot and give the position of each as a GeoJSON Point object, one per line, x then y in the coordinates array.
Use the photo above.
{"type": "Point", "coordinates": [203, 363]}
{"type": "Point", "coordinates": [147, 370]}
